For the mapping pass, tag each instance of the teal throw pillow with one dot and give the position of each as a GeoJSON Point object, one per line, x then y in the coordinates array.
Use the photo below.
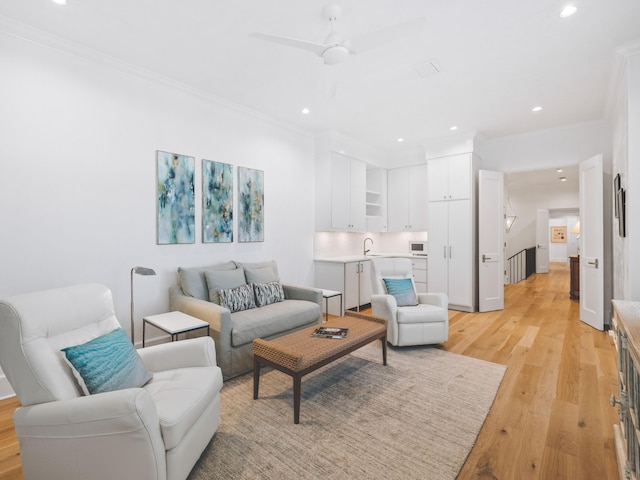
{"type": "Point", "coordinates": [107, 363]}
{"type": "Point", "coordinates": [403, 291]}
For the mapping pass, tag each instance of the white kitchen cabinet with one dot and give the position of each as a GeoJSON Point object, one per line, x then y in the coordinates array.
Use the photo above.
{"type": "Point", "coordinates": [352, 278]}
{"type": "Point", "coordinates": [449, 178]}
{"type": "Point", "coordinates": [348, 194]}
{"type": "Point", "coordinates": [407, 199]}
{"type": "Point", "coordinates": [452, 234]}
{"type": "Point", "coordinates": [419, 265]}
{"type": "Point", "coordinates": [340, 197]}
{"type": "Point", "coordinates": [376, 200]}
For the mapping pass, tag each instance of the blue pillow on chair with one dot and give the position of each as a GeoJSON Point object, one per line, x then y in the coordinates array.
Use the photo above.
{"type": "Point", "coordinates": [107, 363]}
{"type": "Point", "coordinates": [403, 291]}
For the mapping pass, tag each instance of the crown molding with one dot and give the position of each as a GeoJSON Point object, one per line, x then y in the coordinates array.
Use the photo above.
{"type": "Point", "coordinates": [24, 32]}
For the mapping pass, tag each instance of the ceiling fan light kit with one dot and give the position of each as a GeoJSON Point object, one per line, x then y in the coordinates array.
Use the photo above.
{"type": "Point", "coordinates": [334, 55]}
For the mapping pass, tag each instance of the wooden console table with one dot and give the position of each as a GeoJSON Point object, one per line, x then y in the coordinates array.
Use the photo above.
{"type": "Point", "coordinates": [574, 263]}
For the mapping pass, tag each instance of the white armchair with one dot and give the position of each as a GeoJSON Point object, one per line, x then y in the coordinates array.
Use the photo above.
{"type": "Point", "coordinates": [424, 323]}
{"type": "Point", "coordinates": [154, 432]}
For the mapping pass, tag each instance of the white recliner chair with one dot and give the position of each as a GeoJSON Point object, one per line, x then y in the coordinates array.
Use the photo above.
{"type": "Point", "coordinates": [154, 432]}
{"type": "Point", "coordinates": [425, 320]}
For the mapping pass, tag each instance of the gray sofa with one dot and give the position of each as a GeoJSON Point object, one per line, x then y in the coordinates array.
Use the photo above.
{"type": "Point", "coordinates": [200, 293]}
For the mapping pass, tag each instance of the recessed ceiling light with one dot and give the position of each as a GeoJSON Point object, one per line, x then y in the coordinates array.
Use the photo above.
{"type": "Point", "coordinates": [401, 139]}
{"type": "Point", "coordinates": [559, 170]}
{"type": "Point", "coordinates": [563, 179]}
{"type": "Point", "coordinates": [568, 11]}
{"type": "Point", "coordinates": [453, 128]}
{"type": "Point", "coordinates": [60, 2]}
{"type": "Point", "coordinates": [537, 108]}
{"type": "Point", "coordinates": [306, 111]}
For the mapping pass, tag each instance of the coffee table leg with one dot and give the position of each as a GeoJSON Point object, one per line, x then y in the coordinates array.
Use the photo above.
{"type": "Point", "coordinates": [384, 350]}
{"type": "Point", "coordinates": [297, 387]}
{"type": "Point", "coordinates": [256, 377]}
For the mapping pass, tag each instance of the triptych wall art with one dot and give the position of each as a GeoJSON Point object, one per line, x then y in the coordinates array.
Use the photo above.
{"type": "Point", "coordinates": [176, 201]}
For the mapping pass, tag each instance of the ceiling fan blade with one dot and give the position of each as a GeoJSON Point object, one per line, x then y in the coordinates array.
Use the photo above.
{"type": "Point", "coordinates": [376, 39]}
{"type": "Point", "coordinates": [292, 42]}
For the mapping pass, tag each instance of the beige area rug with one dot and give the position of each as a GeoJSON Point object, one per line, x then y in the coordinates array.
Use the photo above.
{"type": "Point", "coordinates": [416, 418]}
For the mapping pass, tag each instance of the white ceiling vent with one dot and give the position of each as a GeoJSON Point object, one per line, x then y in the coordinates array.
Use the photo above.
{"type": "Point", "coordinates": [428, 68]}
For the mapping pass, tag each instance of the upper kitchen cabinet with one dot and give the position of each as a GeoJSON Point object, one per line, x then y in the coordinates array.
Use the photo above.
{"type": "Point", "coordinates": [449, 178]}
{"type": "Point", "coordinates": [407, 199]}
{"type": "Point", "coordinates": [341, 194]}
{"type": "Point", "coordinates": [376, 200]}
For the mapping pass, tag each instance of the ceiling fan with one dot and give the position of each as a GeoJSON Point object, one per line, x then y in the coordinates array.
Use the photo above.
{"type": "Point", "coordinates": [334, 49]}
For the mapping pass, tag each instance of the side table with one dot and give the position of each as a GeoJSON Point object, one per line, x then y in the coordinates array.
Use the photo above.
{"type": "Point", "coordinates": [327, 294]}
{"type": "Point", "coordinates": [174, 323]}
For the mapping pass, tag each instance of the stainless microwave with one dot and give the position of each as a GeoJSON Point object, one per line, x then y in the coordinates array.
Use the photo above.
{"type": "Point", "coordinates": [418, 248]}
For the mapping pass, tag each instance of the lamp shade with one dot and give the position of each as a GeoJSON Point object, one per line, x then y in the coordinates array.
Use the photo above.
{"type": "Point", "coordinates": [144, 271]}
{"type": "Point", "coordinates": [576, 228]}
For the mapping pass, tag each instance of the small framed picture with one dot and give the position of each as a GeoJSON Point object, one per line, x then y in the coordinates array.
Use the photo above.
{"type": "Point", "coordinates": [559, 234]}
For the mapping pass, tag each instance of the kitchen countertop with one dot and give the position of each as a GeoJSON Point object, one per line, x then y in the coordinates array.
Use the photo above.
{"type": "Point", "coordinates": [360, 258]}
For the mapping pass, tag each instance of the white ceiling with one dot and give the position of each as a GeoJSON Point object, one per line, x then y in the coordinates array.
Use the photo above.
{"type": "Point", "coordinates": [498, 58]}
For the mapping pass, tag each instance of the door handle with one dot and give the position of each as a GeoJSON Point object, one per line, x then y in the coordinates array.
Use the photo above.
{"type": "Point", "coordinates": [594, 263]}
{"type": "Point", "coordinates": [485, 258]}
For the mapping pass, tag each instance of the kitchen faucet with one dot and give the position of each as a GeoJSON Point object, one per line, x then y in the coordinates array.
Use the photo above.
{"type": "Point", "coordinates": [364, 246]}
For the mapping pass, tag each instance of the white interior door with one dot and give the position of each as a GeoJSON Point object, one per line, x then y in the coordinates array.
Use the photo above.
{"type": "Point", "coordinates": [542, 241]}
{"type": "Point", "coordinates": [591, 243]}
{"type": "Point", "coordinates": [491, 240]}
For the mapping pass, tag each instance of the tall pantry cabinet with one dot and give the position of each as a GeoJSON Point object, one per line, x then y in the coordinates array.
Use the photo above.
{"type": "Point", "coordinates": [452, 250]}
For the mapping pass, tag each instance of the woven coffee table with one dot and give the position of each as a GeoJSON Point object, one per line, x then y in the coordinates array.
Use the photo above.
{"type": "Point", "coordinates": [298, 353]}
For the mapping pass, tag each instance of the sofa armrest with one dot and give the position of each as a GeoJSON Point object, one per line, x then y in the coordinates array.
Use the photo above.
{"type": "Point", "coordinates": [303, 293]}
{"type": "Point", "coordinates": [69, 438]}
{"type": "Point", "coordinates": [218, 318]}
{"type": "Point", "coordinates": [439, 299]}
{"type": "Point", "coordinates": [384, 306]}
{"type": "Point", "coordinates": [194, 352]}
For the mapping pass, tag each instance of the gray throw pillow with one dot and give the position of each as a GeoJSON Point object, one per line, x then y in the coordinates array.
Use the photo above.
{"type": "Point", "coordinates": [193, 281]}
{"type": "Point", "coordinates": [260, 275]}
{"type": "Point", "coordinates": [223, 280]}
{"type": "Point", "coordinates": [237, 299]}
{"type": "Point", "coordinates": [254, 265]}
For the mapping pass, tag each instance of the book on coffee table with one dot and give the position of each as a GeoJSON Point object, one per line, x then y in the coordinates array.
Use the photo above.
{"type": "Point", "coordinates": [330, 332]}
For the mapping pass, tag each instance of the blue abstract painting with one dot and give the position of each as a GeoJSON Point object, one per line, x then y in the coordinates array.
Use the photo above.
{"type": "Point", "coordinates": [217, 202]}
{"type": "Point", "coordinates": [250, 205]}
{"type": "Point", "coordinates": [176, 198]}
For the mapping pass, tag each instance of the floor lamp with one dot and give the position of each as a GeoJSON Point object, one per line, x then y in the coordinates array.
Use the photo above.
{"type": "Point", "coordinates": [138, 271]}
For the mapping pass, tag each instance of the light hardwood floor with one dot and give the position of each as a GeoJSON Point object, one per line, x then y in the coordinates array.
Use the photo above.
{"type": "Point", "coordinates": [551, 418]}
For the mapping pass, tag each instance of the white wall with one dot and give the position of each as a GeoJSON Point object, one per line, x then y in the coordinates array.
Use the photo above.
{"type": "Point", "coordinates": [626, 162]}
{"type": "Point", "coordinates": [560, 251]}
{"type": "Point", "coordinates": [78, 143]}
{"type": "Point", "coordinates": [546, 148]}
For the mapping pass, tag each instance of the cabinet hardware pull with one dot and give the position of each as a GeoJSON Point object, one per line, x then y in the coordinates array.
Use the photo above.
{"type": "Point", "coordinates": [444, 254]}
{"type": "Point", "coordinates": [595, 263]}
